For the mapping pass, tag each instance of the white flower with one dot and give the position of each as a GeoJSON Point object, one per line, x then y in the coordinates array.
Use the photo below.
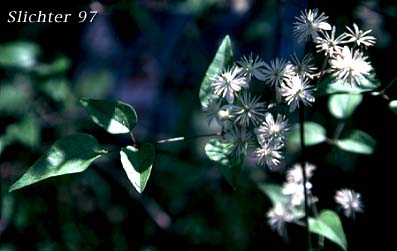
{"type": "Point", "coordinates": [359, 37]}
{"type": "Point", "coordinates": [296, 91]}
{"type": "Point", "coordinates": [228, 82]}
{"type": "Point", "coordinates": [294, 174]}
{"type": "Point", "coordinates": [309, 24]}
{"type": "Point", "coordinates": [272, 130]}
{"type": "Point", "coordinates": [278, 71]}
{"type": "Point", "coordinates": [295, 193]}
{"type": "Point", "coordinates": [294, 185]}
{"type": "Point", "coordinates": [329, 44]}
{"type": "Point", "coordinates": [250, 110]}
{"type": "Point", "coordinates": [269, 154]}
{"type": "Point", "coordinates": [349, 201]}
{"type": "Point", "coordinates": [350, 66]}
{"type": "Point", "coordinates": [304, 67]}
{"type": "Point", "coordinates": [251, 67]}
{"type": "Point", "coordinates": [278, 216]}
{"type": "Point", "coordinates": [240, 140]}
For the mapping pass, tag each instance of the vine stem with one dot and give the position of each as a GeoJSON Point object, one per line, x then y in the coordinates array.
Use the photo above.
{"type": "Point", "coordinates": [162, 141]}
{"type": "Point", "coordinates": [303, 164]}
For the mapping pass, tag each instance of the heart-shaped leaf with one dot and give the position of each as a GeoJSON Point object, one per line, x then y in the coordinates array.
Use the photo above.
{"type": "Point", "coordinates": [314, 134]}
{"type": "Point", "coordinates": [114, 116]}
{"type": "Point", "coordinates": [223, 58]}
{"type": "Point", "coordinates": [71, 154]}
{"type": "Point", "coordinates": [229, 165]}
{"type": "Point", "coordinates": [332, 86]}
{"type": "Point", "coordinates": [358, 142]}
{"type": "Point", "coordinates": [342, 106]}
{"type": "Point", "coordinates": [137, 164]}
{"type": "Point", "coordinates": [328, 224]}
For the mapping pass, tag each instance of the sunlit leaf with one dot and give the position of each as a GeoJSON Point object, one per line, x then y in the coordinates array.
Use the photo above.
{"type": "Point", "coordinates": [328, 224]}
{"type": "Point", "coordinates": [314, 134]}
{"type": "Point", "coordinates": [229, 165]}
{"type": "Point", "coordinates": [20, 54]}
{"type": "Point", "coordinates": [114, 116]}
{"type": "Point", "coordinates": [358, 142]}
{"type": "Point", "coordinates": [223, 58]}
{"type": "Point", "coordinates": [332, 86]}
{"type": "Point", "coordinates": [137, 164]}
{"type": "Point", "coordinates": [71, 154]}
{"type": "Point", "coordinates": [342, 106]}
{"type": "Point", "coordinates": [393, 106]}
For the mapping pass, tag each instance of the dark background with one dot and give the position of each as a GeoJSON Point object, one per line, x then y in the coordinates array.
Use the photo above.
{"type": "Point", "coordinates": [153, 55]}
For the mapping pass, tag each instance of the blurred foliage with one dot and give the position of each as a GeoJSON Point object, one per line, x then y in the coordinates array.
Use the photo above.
{"type": "Point", "coordinates": [153, 55]}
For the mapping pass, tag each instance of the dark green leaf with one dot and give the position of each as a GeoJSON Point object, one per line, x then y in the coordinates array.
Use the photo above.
{"type": "Point", "coordinates": [114, 116]}
{"type": "Point", "coordinates": [393, 106]}
{"type": "Point", "coordinates": [137, 164]}
{"type": "Point", "coordinates": [223, 58]}
{"type": "Point", "coordinates": [329, 225]}
{"type": "Point", "coordinates": [71, 154]}
{"type": "Point", "coordinates": [274, 192]}
{"type": "Point", "coordinates": [19, 54]}
{"type": "Point", "coordinates": [342, 106]}
{"type": "Point", "coordinates": [358, 142]}
{"type": "Point", "coordinates": [229, 165]}
{"type": "Point", "coordinates": [331, 86]}
{"type": "Point", "coordinates": [314, 134]}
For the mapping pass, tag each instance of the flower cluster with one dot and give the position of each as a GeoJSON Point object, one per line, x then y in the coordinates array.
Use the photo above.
{"type": "Point", "coordinates": [241, 114]}
{"type": "Point", "coordinates": [256, 123]}
{"type": "Point", "coordinates": [293, 207]}
{"type": "Point", "coordinates": [346, 64]}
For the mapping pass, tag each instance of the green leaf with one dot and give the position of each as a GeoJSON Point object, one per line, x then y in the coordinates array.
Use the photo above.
{"type": "Point", "coordinates": [26, 132]}
{"type": "Point", "coordinates": [329, 225]}
{"type": "Point", "coordinates": [342, 106]}
{"type": "Point", "coordinates": [229, 165]}
{"type": "Point", "coordinates": [137, 164]}
{"type": "Point", "coordinates": [223, 58]}
{"type": "Point", "coordinates": [114, 116]}
{"type": "Point", "coordinates": [357, 142]}
{"type": "Point", "coordinates": [71, 154]}
{"type": "Point", "coordinates": [393, 106]}
{"type": "Point", "coordinates": [332, 86]}
{"type": "Point", "coordinates": [314, 134]}
{"type": "Point", "coordinates": [274, 192]}
{"type": "Point", "coordinates": [20, 54]}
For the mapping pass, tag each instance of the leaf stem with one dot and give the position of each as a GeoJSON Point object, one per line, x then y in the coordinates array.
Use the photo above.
{"type": "Point", "coordinates": [303, 165]}
{"type": "Point", "coordinates": [338, 131]}
{"type": "Point", "coordinates": [133, 139]}
{"type": "Point", "coordinates": [162, 141]}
